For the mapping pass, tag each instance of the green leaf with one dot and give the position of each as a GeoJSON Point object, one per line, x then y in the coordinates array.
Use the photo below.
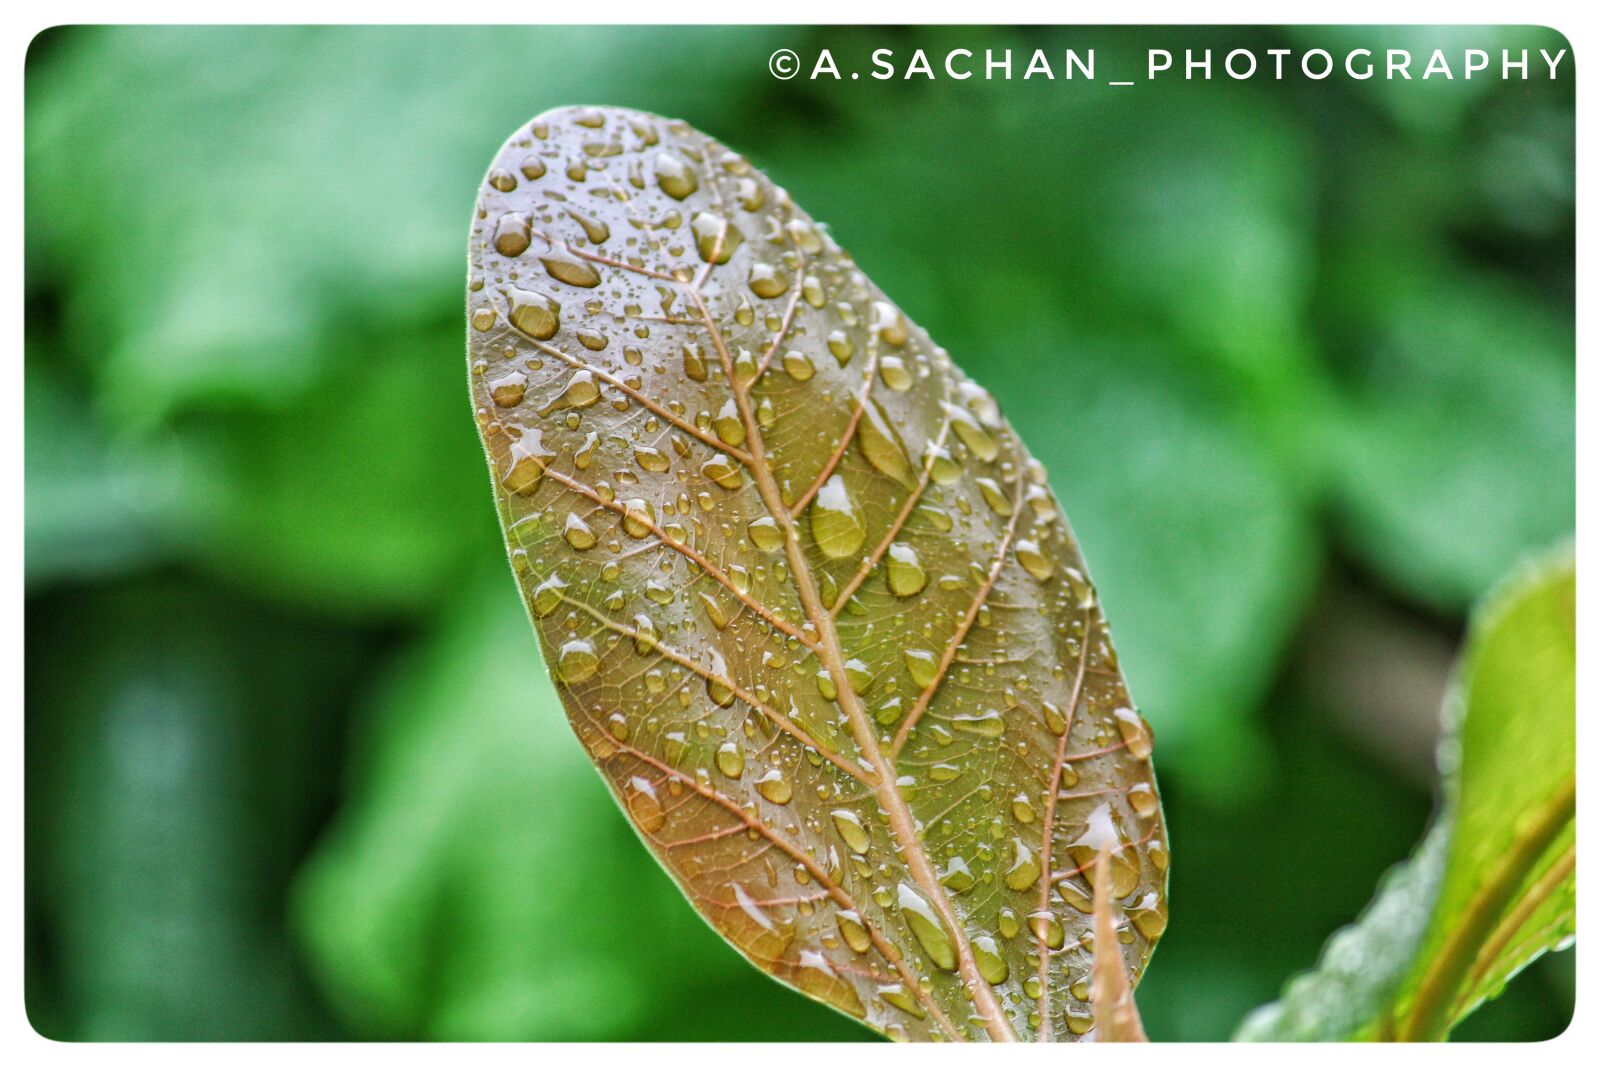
{"type": "Point", "coordinates": [1492, 886]}
{"type": "Point", "coordinates": [811, 607]}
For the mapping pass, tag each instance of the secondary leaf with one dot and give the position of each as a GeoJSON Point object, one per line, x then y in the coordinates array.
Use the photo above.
{"type": "Point", "coordinates": [811, 607]}
{"type": "Point", "coordinates": [1492, 886]}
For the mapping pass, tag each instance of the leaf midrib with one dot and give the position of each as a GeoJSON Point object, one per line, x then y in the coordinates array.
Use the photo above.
{"type": "Point", "coordinates": [828, 649]}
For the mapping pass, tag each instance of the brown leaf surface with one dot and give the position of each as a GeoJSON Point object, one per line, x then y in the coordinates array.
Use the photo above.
{"type": "Point", "coordinates": [812, 608]}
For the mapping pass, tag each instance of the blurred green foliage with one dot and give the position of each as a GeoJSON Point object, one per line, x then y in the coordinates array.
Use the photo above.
{"type": "Point", "coordinates": [293, 769]}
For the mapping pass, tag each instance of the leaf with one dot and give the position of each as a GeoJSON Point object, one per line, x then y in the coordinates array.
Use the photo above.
{"type": "Point", "coordinates": [1492, 886]}
{"type": "Point", "coordinates": [811, 607]}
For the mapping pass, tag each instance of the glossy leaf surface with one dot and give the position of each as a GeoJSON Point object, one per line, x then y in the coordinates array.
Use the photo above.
{"type": "Point", "coordinates": [810, 605]}
{"type": "Point", "coordinates": [1492, 886]}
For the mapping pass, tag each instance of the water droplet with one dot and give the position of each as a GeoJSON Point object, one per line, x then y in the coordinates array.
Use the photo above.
{"type": "Point", "coordinates": [853, 930]}
{"type": "Point", "coordinates": [1101, 829]}
{"type": "Point", "coordinates": [534, 313]}
{"type": "Point", "coordinates": [894, 373]}
{"type": "Point", "coordinates": [1010, 925]}
{"type": "Point", "coordinates": [881, 445]}
{"type": "Point", "coordinates": [905, 573]}
{"type": "Point", "coordinates": [580, 392]}
{"type": "Point", "coordinates": [1149, 916]}
{"type": "Point", "coordinates": [729, 426]}
{"type": "Point", "coordinates": [994, 496]}
{"type": "Point", "coordinates": [513, 232]}
{"type": "Point", "coordinates": [644, 634]}
{"type": "Point", "coordinates": [1047, 930]}
{"type": "Point", "coordinates": [991, 959]}
{"type": "Point", "coordinates": [571, 271]}
{"type": "Point", "coordinates": [929, 931]}
{"type": "Point", "coordinates": [508, 390]}
{"type": "Point", "coordinates": [577, 662]}
{"type": "Point", "coordinates": [694, 362]}
{"type": "Point", "coordinates": [835, 526]}
{"type": "Point", "coordinates": [957, 876]}
{"type": "Point", "coordinates": [597, 231]}
{"type": "Point", "coordinates": [888, 323]}
{"type": "Point", "coordinates": [840, 345]}
{"type": "Point", "coordinates": [651, 459]}
{"type": "Point", "coordinates": [723, 471]}
{"type": "Point", "coordinates": [526, 459]}
{"type": "Point", "coordinates": [1135, 731]}
{"type": "Point", "coordinates": [730, 760]}
{"type": "Point", "coordinates": [1024, 869]}
{"type": "Point", "coordinates": [851, 830]}
{"type": "Point", "coordinates": [798, 366]}
{"type": "Point", "coordinates": [974, 436]}
{"type": "Point", "coordinates": [766, 281]}
{"type": "Point", "coordinates": [676, 178]}
{"type": "Point", "coordinates": [923, 667]}
{"type": "Point", "coordinates": [578, 533]}
{"type": "Point", "coordinates": [1143, 799]}
{"type": "Point", "coordinates": [775, 787]}
{"type": "Point", "coordinates": [981, 724]}
{"type": "Point", "coordinates": [897, 995]}
{"type": "Point", "coordinates": [502, 179]}
{"type": "Point", "coordinates": [714, 237]}
{"type": "Point", "coordinates": [547, 596]}
{"type": "Point", "coordinates": [644, 805]}
{"type": "Point", "coordinates": [816, 976]}
{"type": "Point", "coordinates": [638, 517]}
{"type": "Point", "coordinates": [1034, 561]}
{"type": "Point", "coordinates": [714, 611]}
{"type": "Point", "coordinates": [1022, 808]}
{"type": "Point", "coordinates": [765, 534]}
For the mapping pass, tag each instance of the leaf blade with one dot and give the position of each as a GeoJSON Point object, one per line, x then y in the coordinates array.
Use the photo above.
{"type": "Point", "coordinates": [1492, 885]}
{"type": "Point", "coordinates": [806, 597]}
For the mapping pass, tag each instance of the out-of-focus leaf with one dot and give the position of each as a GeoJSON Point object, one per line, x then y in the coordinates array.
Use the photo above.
{"type": "Point", "coordinates": [1116, 1018]}
{"type": "Point", "coordinates": [177, 744]}
{"type": "Point", "coordinates": [811, 607]}
{"type": "Point", "coordinates": [1492, 886]}
{"type": "Point", "coordinates": [89, 508]}
{"type": "Point", "coordinates": [480, 885]}
{"type": "Point", "coordinates": [1455, 452]}
{"type": "Point", "coordinates": [1435, 105]}
{"type": "Point", "coordinates": [357, 499]}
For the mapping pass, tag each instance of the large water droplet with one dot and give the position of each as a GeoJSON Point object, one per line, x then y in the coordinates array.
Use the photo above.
{"type": "Point", "coordinates": [577, 662]}
{"type": "Point", "coordinates": [929, 931]}
{"type": "Point", "coordinates": [991, 959]}
{"type": "Point", "coordinates": [525, 463]}
{"type": "Point", "coordinates": [676, 178]}
{"type": "Point", "coordinates": [905, 573]}
{"type": "Point", "coordinates": [730, 759]}
{"type": "Point", "coordinates": [1135, 732]}
{"type": "Point", "coordinates": [534, 313]}
{"type": "Point", "coordinates": [835, 526]}
{"type": "Point", "coordinates": [881, 445]}
{"type": "Point", "coordinates": [851, 830]}
{"type": "Point", "coordinates": [644, 805]}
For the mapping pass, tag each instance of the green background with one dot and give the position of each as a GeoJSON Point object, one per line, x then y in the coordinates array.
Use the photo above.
{"type": "Point", "coordinates": [1299, 356]}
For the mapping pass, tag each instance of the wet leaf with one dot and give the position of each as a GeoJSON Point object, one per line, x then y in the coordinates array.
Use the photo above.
{"type": "Point", "coordinates": [811, 607]}
{"type": "Point", "coordinates": [1492, 887]}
